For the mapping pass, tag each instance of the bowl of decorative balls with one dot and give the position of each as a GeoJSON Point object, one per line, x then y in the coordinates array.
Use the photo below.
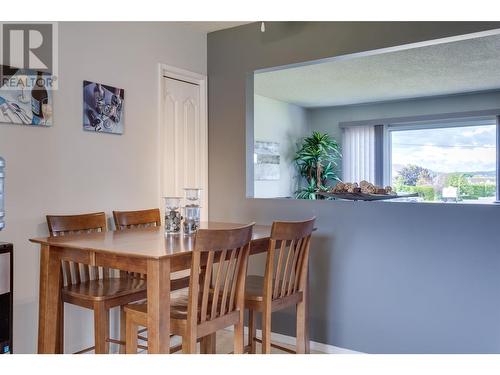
{"type": "Point", "coordinates": [364, 191]}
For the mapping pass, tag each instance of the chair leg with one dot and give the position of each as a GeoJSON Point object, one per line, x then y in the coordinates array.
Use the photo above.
{"type": "Point", "coordinates": [60, 337]}
{"type": "Point", "coordinates": [302, 329]}
{"type": "Point", "coordinates": [239, 344]}
{"type": "Point", "coordinates": [252, 330]}
{"type": "Point", "coordinates": [123, 329]}
{"type": "Point", "coordinates": [266, 331]}
{"type": "Point", "coordinates": [207, 345]}
{"type": "Point", "coordinates": [131, 330]}
{"type": "Point", "coordinates": [189, 344]}
{"type": "Point", "coordinates": [101, 328]}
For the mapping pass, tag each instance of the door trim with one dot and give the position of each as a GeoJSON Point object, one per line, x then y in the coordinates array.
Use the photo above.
{"type": "Point", "coordinates": [168, 71]}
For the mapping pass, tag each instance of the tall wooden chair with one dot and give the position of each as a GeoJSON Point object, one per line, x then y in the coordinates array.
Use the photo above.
{"type": "Point", "coordinates": [142, 219]}
{"type": "Point", "coordinates": [137, 219]}
{"type": "Point", "coordinates": [92, 287]}
{"type": "Point", "coordinates": [284, 283]}
{"type": "Point", "coordinates": [218, 255]}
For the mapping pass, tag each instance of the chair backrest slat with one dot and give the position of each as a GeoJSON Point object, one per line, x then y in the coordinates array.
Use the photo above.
{"type": "Point", "coordinates": [67, 273]}
{"type": "Point", "coordinates": [301, 265]}
{"type": "Point", "coordinates": [293, 270]}
{"type": "Point", "coordinates": [74, 272]}
{"type": "Point", "coordinates": [206, 281]}
{"type": "Point", "coordinates": [218, 277]}
{"type": "Point", "coordinates": [302, 272]}
{"type": "Point", "coordinates": [62, 225]}
{"type": "Point", "coordinates": [226, 255]}
{"type": "Point", "coordinates": [105, 273]}
{"type": "Point", "coordinates": [290, 245]}
{"type": "Point", "coordinates": [286, 271]}
{"type": "Point", "coordinates": [234, 281]}
{"type": "Point", "coordinates": [227, 283]}
{"type": "Point", "coordinates": [279, 267]}
{"type": "Point", "coordinates": [86, 271]}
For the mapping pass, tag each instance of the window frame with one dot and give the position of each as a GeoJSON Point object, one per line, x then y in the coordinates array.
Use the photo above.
{"type": "Point", "coordinates": [389, 129]}
{"type": "Point", "coordinates": [427, 121]}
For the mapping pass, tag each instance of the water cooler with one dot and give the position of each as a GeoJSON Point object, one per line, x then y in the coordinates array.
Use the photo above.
{"type": "Point", "coordinates": [6, 263]}
{"type": "Point", "coordinates": [6, 277]}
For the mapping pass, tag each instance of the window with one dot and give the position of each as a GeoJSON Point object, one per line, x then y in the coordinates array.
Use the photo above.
{"type": "Point", "coordinates": [444, 161]}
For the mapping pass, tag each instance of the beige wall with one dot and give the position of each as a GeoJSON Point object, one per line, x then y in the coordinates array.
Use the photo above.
{"type": "Point", "coordinates": [63, 169]}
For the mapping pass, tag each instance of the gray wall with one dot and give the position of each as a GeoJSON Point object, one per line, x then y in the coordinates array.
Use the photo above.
{"type": "Point", "coordinates": [327, 119]}
{"type": "Point", "coordinates": [285, 123]}
{"type": "Point", "coordinates": [385, 277]}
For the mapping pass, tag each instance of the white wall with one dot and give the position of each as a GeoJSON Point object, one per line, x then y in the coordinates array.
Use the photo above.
{"type": "Point", "coordinates": [63, 169]}
{"type": "Point", "coordinates": [277, 121]}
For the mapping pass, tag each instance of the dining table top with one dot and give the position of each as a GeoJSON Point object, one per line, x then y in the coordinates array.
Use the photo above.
{"type": "Point", "coordinates": [150, 242]}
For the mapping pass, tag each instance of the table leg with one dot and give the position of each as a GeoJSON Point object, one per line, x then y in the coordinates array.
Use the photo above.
{"type": "Point", "coordinates": [49, 301]}
{"type": "Point", "coordinates": [158, 284]}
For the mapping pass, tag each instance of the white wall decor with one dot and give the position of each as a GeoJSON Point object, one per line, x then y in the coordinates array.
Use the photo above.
{"type": "Point", "coordinates": [267, 161]}
{"type": "Point", "coordinates": [102, 108]}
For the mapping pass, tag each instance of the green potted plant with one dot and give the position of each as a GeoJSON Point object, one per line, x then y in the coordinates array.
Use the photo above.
{"type": "Point", "coordinates": [317, 161]}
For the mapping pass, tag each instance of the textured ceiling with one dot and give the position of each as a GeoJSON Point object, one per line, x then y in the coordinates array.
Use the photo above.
{"type": "Point", "coordinates": [209, 27]}
{"type": "Point", "coordinates": [457, 67]}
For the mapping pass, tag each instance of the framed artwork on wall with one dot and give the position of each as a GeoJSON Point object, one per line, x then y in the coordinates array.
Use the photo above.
{"type": "Point", "coordinates": [24, 97]}
{"type": "Point", "coordinates": [102, 108]}
{"type": "Point", "coordinates": [266, 161]}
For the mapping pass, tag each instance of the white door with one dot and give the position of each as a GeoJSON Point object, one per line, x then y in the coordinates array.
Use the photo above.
{"type": "Point", "coordinates": [184, 140]}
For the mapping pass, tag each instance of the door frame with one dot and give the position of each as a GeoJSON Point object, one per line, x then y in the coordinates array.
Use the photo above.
{"type": "Point", "coordinates": [168, 71]}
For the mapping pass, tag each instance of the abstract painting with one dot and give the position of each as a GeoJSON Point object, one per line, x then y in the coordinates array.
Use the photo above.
{"type": "Point", "coordinates": [102, 108]}
{"type": "Point", "coordinates": [266, 161]}
{"type": "Point", "coordinates": [25, 97]}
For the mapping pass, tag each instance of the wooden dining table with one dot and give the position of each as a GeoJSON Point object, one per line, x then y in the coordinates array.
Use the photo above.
{"type": "Point", "coordinates": [143, 250]}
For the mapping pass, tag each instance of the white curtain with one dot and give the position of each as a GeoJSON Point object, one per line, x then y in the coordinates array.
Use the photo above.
{"type": "Point", "coordinates": [358, 161]}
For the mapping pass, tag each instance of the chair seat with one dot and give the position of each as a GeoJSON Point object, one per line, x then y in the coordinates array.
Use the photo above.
{"type": "Point", "coordinates": [105, 289]}
{"type": "Point", "coordinates": [178, 305]}
{"type": "Point", "coordinates": [254, 288]}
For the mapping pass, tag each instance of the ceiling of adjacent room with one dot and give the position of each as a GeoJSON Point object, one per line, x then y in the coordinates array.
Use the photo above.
{"type": "Point", "coordinates": [209, 27]}
{"type": "Point", "coordinates": [450, 68]}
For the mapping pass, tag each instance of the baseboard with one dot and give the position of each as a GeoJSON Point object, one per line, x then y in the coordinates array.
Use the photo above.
{"type": "Point", "coordinates": [316, 346]}
{"type": "Point", "coordinates": [280, 339]}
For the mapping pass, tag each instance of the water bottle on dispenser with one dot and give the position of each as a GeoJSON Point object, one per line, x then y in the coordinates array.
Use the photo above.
{"type": "Point", "coordinates": [6, 276]}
